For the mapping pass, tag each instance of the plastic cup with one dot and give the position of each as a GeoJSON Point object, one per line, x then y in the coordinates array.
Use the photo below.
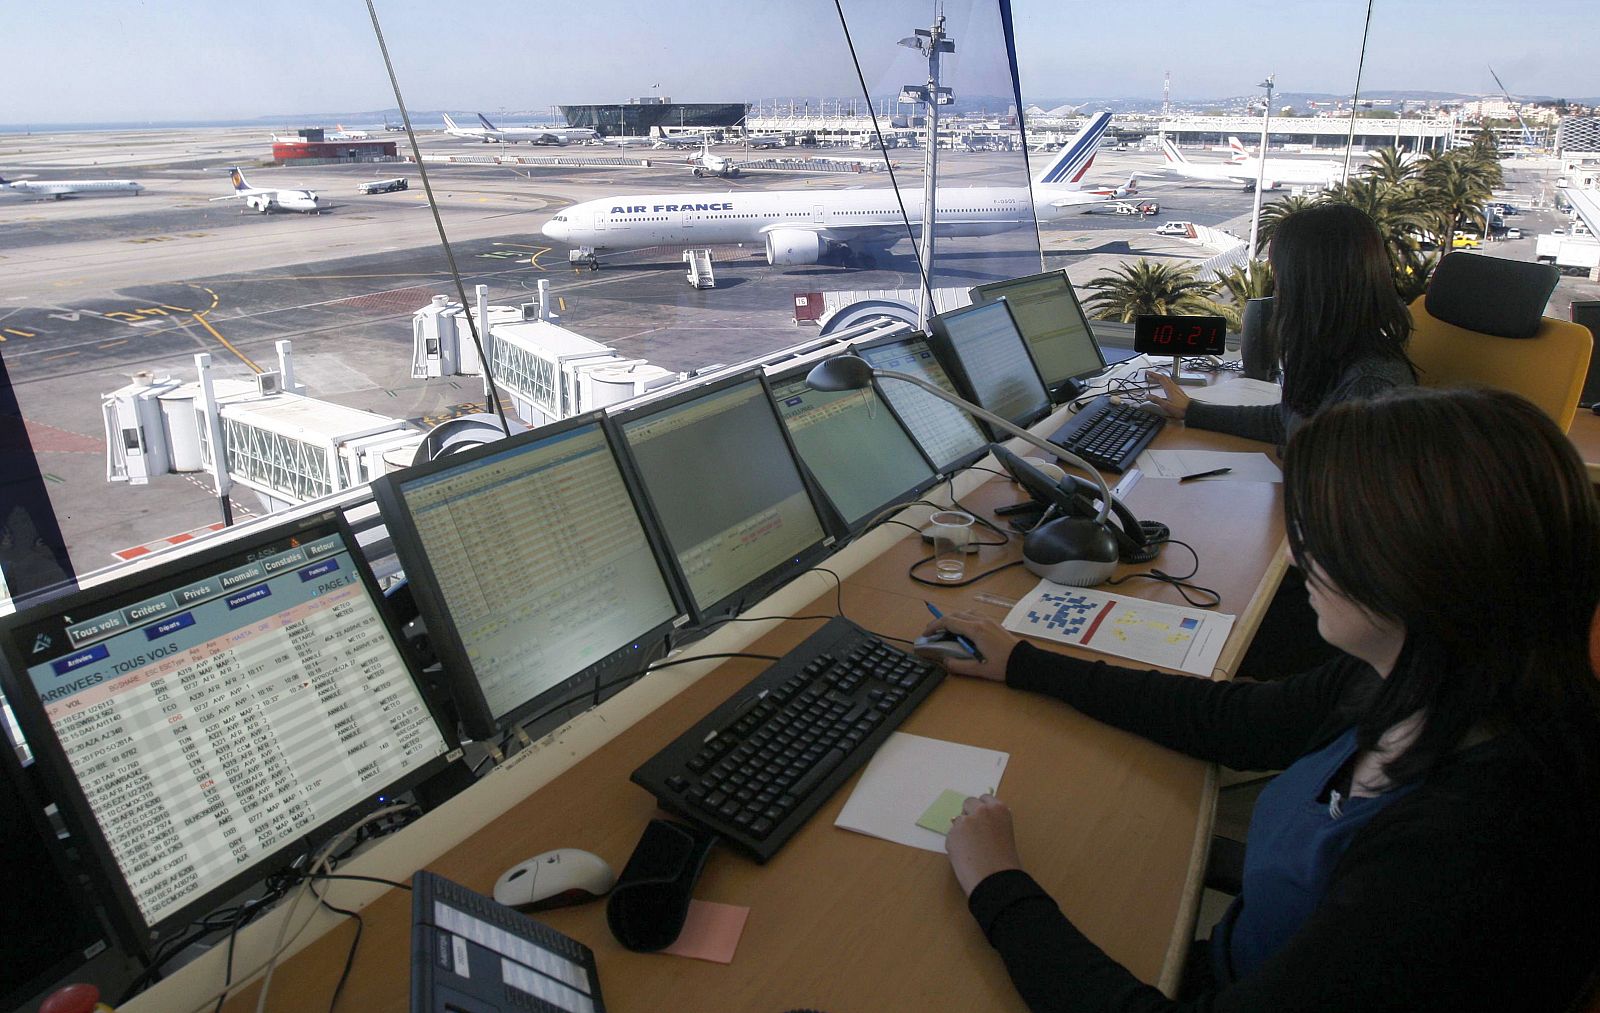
{"type": "Point", "coordinates": [951, 531]}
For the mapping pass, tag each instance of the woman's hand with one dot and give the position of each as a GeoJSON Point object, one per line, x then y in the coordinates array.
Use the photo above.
{"type": "Point", "coordinates": [1175, 405]}
{"type": "Point", "coordinates": [992, 640]}
{"type": "Point", "coordinates": [981, 842]}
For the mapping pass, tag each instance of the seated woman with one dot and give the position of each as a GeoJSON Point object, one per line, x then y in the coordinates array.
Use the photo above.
{"type": "Point", "coordinates": [1340, 325]}
{"type": "Point", "coordinates": [1431, 843]}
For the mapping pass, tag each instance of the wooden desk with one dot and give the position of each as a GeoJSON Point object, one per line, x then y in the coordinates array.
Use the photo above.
{"type": "Point", "coordinates": [1585, 435]}
{"type": "Point", "coordinates": [1114, 826]}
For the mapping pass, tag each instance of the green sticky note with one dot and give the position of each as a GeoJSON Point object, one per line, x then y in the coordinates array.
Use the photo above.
{"type": "Point", "coordinates": [944, 809]}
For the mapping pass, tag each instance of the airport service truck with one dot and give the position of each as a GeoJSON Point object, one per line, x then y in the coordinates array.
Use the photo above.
{"type": "Point", "coordinates": [1573, 254]}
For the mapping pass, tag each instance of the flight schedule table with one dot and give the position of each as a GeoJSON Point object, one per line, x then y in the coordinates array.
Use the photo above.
{"type": "Point", "coordinates": [210, 726]}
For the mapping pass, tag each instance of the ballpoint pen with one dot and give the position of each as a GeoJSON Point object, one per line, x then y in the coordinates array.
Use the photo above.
{"type": "Point", "coordinates": [1205, 474]}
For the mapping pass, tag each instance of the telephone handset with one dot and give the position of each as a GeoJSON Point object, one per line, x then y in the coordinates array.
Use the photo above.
{"type": "Point", "coordinates": [1075, 497]}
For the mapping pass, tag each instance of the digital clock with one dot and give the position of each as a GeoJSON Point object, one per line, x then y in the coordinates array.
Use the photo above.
{"type": "Point", "coordinates": [1174, 335]}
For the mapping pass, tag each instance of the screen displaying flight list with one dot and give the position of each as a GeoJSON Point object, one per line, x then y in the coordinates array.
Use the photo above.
{"type": "Point", "coordinates": [1003, 377]}
{"type": "Point", "coordinates": [726, 488]}
{"type": "Point", "coordinates": [214, 721]}
{"type": "Point", "coordinates": [853, 445]}
{"type": "Point", "coordinates": [541, 561]}
{"type": "Point", "coordinates": [947, 434]}
{"type": "Point", "coordinates": [1051, 323]}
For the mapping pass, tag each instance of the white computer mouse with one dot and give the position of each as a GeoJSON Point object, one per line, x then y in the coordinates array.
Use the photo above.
{"type": "Point", "coordinates": [555, 879]}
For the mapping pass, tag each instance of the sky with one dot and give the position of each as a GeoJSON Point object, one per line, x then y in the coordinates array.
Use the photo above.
{"type": "Point", "coordinates": [187, 60]}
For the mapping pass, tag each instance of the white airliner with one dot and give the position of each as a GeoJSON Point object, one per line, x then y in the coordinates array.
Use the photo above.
{"type": "Point", "coordinates": [341, 134]}
{"type": "Point", "coordinates": [1243, 172]}
{"type": "Point", "coordinates": [510, 135]}
{"type": "Point", "coordinates": [65, 188]}
{"type": "Point", "coordinates": [708, 164]}
{"type": "Point", "coordinates": [806, 226]}
{"type": "Point", "coordinates": [262, 200]}
{"type": "Point", "coordinates": [680, 141]}
{"type": "Point", "coordinates": [766, 141]}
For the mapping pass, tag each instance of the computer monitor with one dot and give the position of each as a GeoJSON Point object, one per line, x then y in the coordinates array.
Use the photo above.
{"type": "Point", "coordinates": [531, 568]}
{"type": "Point", "coordinates": [47, 924]}
{"type": "Point", "coordinates": [1047, 313]}
{"type": "Point", "coordinates": [715, 464]}
{"type": "Point", "coordinates": [991, 364]}
{"type": "Point", "coordinates": [949, 436]}
{"type": "Point", "coordinates": [200, 720]}
{"type": "Point", "coordinates": [853, 444]}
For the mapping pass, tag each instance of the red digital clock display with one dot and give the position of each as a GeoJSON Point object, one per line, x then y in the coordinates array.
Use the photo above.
{"type": "Point", "coordinates": [1173, 335]}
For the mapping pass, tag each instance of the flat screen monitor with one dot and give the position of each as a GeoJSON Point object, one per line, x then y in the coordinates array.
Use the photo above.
{"type": "Point", "coordinates": [532, 569]}
{"type": "Point", "coordinates": [201, 721]}
{"type": "Point", "coordinates": [47, 925]}
{"type": "Point", "coordinates": [715, 464]}
{"type": "Point", "coordinates": [949, 436]}
{"type": "Point", "coordinates": [1047, 313]}
{"type": "Point", "coordinates": [991, 364]}
{"type": "Point", "coordinates": [854, 445]}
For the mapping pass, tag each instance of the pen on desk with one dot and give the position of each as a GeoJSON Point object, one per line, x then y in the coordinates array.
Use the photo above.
{"type": "Point", "coordinates": [936, 613]}
{"type": "Point", "coordinates": [1205, 474]}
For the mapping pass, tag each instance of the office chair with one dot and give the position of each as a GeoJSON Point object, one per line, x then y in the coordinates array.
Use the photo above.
{"type": "Point", "coordinates": [1481, 323]}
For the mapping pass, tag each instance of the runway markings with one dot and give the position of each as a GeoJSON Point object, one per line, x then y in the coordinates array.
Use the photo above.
{"type": "Point", "coordinates": [62, 355]}
{"type": "Point", "coordinates": [200, 319]}
{"type": "Point", "coordinates": [113, 344]}
{"type": "Point", "coordinates": [12, 330]}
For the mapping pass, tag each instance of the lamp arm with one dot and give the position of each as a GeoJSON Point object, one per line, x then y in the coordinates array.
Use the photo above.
{"type": "Point", "coordinates": [1054, 450]}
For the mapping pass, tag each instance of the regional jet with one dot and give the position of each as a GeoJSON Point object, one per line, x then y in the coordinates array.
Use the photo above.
{"type": "Point", "coordinates": [263, 200]}
{"type": "Point", "coordinates": [853, 227]}
{"type": "Point", "coordinates": [65, 188]}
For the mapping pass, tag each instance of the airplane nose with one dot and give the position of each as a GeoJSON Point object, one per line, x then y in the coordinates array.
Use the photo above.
{"type": "Point", "coordinates": [555, 230]}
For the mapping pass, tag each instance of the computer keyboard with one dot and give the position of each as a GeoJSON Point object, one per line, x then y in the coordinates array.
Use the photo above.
{"type": "Point", "coordinates": [1107, 435]}
{"type": "Point", "coordinates": [757, 767]}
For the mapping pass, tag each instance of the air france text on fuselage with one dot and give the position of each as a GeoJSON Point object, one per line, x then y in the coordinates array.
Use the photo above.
{"type": "Point", "coordinates": [635, 209]}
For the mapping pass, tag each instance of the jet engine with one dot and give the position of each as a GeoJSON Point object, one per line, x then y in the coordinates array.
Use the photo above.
{"type": "Point", "coordinates": [788, 247]}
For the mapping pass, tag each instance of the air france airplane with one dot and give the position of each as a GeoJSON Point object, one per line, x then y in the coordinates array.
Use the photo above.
{"type": "Point", "coordinates": [1243, 170]}
{"type": "Point", "coordinates": [807, 226]}
{"type": "Point", "coordinates": [62, 189]}
{"type": "Point", "coordinates": [263, 200]}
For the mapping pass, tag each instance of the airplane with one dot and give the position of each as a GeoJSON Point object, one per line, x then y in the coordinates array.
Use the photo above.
{"type": "Point", "coordinates": [510, 135]}
{"type": "Point", "coordinates": [766, 141]}
{"type": "Point", "coordinates": [851, 227]}
{"type": "Point", "coordinates": [65, 188]}
{"type": "Point", "coordinates": [680, 141]}
{"type": "Point", "coordinates": [263, 200]}
{"type": "Point", "coordinates": [341, 134]}
{"type": "Point", "coordinates": [707, 164]}
{"type": "Point", "coordinates": [1278, 170]}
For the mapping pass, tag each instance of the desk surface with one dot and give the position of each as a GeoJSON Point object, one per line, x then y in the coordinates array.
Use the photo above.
{"type": "Point", "coordinates": [1114, 826]}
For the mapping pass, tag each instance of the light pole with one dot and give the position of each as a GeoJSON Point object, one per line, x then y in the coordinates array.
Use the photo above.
{"type": "Point", "coordinates": [1261, 174]}
{"type": "Point", "coordinates": [931, 43]}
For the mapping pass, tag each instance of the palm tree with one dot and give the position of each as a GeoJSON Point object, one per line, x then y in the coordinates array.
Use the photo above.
{"type": "Point", "coordinates": [1144, 287]}
{"type": "Point", "coordinates": [1276, 212]}
{"type": "Point", "coordinates": [1239, 288]}
{"type": "Point", "coordinates": [1392, 166]}
{"type": "Point", "coordinates": [1454, 188]}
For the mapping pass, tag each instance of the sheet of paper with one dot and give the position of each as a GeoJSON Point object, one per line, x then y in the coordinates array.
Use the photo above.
{"type": "Point", "coordinates": [907, 775]}
{"type": "Point", "coordinates": [1239, 391]}
{"type": "Point", "coordinates": [711, 931]}
{"type": "Point", "coordinates": [1187, 639]}
{"type": "Point", "coordinates": [1247, 466]}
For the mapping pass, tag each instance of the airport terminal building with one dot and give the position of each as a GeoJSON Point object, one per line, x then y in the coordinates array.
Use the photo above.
{"type": "Point", "coordinates": [648, 117]}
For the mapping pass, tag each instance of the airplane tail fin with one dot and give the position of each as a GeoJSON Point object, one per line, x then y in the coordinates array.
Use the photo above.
{"type": "Point", "coordinates": [1066, 169]}
{"type": "Point", "coordinates": [1171, 153]}
{"type": "Point", "coordinates": [449, 123]}
{"type": "Point", "coordinates": [237, 178]}
{"type": "Point", "coordinates": [1237, 149]}
{"type": "Point", "coordinates": [485, 121]}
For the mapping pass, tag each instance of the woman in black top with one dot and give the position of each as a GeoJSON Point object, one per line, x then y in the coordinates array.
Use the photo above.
{"type": "Point", "coordinates": [1340, 325]}
{"type": "Point", "coordinates": [1433, 842]}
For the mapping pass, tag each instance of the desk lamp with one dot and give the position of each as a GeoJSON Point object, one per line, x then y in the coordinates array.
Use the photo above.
{"type": "Point", "coordinates": [1066, 550]}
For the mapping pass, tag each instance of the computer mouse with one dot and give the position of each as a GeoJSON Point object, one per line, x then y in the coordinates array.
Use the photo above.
{"type": "Point", "coordinates": [945, 644]}
{"type": "Point", "coordinates": [555, 879]}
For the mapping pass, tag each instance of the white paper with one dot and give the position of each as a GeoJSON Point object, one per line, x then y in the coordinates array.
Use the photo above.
{"type": "Point", "coordinates": [906, 775]}
{"type": "Point", "coordinates": [1187, 639]}
{"type": "Point", "coordinates": [1239, 391]}
{"type": "Point", "coordinates": [1246, 466]}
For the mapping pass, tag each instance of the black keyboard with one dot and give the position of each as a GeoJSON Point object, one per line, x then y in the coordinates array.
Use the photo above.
{"type": "Point", "coordinates": [1109, 436]}
{"type": "Point", "coordinates": [757, 767]}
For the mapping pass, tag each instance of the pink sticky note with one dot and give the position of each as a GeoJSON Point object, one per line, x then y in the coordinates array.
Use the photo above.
{"type": "Point", "coordinates": [710, 932]}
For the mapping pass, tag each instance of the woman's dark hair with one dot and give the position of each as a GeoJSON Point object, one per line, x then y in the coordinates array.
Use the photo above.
{"type": "Point", "coordinates": [1467, 517]}
{"type": "Point", "coordinates": [1335, 300]}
